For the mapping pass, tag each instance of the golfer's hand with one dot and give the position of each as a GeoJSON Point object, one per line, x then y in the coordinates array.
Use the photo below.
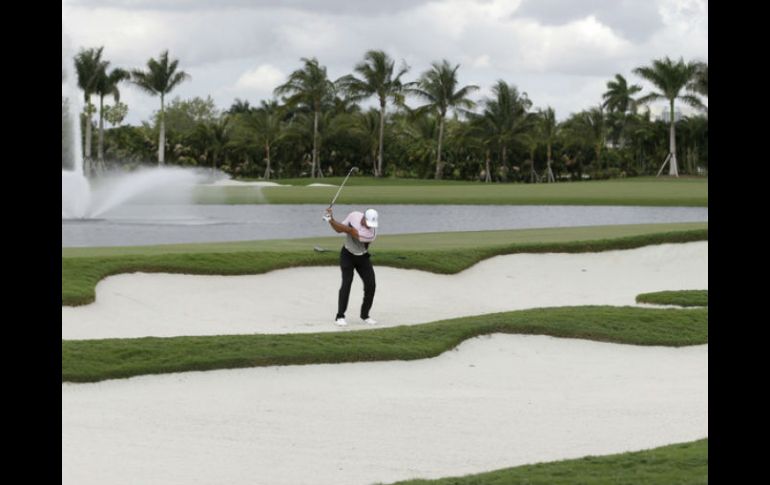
{"type": "Point", "coordinates": [328, 216]}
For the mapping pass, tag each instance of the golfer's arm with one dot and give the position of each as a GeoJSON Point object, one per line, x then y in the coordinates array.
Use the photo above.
{"type": "Point", "coordinates": [343, 228]}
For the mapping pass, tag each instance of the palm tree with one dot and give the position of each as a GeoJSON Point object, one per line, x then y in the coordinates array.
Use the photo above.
{"type": "Point", "coordinates": [642, 134]}
{"type": "Point", "coordinates": [532, 141]}
{"type": "Point", "coordinates": [365, 127]}
{"type": "Point", "coordinates": [240, 106]}
{"type": "Point", "coordinates": [211, 139]}
{"type": "Point", "coordinates": [439, 87]}
{"type": "Point", "coordinates": [619, 95]}
{"type": "Point", "coordinates": [160, 78]}
{"type": "Point", "coordinates": [220, 140]}
{"type": "Point", "coordinates": [618, 100]}
{"type": "Point", "coordinates": [589, 127]}
{"type": "Point", "coordinates": [693, 131]}
{"type": "Point", "coordinates": [670, 78]}
{"type": "Point", "coordinates": [419, 129]}
{"type": "Point", "coordinates": [88, 64]}
{"type": "Point", "coordinates": [482, 134]}
{"type": "Point", "coordinates": [700, 82]}
{"type": "Point", "coordinates": [266, 122]}
{"type": "Point", "coordinates": [309, 88]}
{"type": "Point", "coordinates": [549, 131]}
{"type": "Point", "coordinates": [107, 84]}
{"type": "Point", "coordinates": [506, 118]}
{"type": "Point", "coordinates": [595, 120]}
{"type": "Point", "coordinates": [376, 71]}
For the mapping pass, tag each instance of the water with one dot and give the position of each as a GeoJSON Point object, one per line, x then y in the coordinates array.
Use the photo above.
{"type": "Point", "coordinates": [136, 224]}
{"type": "Point", "coordinates": [76, 194]}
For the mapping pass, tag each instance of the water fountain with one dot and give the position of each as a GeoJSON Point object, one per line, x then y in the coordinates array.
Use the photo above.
{"type": "Point", "coordinates": [75, 190]}
{"type": "Point", "coordinates": [84, 198]}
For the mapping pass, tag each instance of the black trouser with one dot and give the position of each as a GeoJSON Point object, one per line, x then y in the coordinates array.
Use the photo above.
{"type": "Point", "coordinates": [363, 266]}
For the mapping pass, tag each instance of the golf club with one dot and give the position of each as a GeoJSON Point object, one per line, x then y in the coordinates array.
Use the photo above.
{"type": "Point", "coordinates": [342, 185]}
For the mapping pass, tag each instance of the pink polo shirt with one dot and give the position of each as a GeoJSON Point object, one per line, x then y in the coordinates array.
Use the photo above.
{"type": "Point", "coordinates": [365, 234]}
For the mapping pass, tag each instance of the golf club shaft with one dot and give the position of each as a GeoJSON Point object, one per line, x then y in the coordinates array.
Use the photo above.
{"type": "Point", "coordinates": [342, 185]}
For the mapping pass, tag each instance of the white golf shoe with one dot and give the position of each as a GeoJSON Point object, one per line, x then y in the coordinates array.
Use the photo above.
{"type": "Point", "coordinates": [370, 321]}
{"type": "Point", "coordinates": [340, 322]}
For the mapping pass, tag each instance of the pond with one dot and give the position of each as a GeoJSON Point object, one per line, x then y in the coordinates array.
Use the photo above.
{"type": "Point", "coordinates": [136, 225]}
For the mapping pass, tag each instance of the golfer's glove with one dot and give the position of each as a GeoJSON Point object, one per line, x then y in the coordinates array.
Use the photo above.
{"type": "Point", "coordinates": [327, 217]}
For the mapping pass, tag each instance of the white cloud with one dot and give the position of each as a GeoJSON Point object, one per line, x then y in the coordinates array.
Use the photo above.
{"type": "Point", "coordinates": [632, 19]}
{"type": "Point", "coordinates": [561, 52]}
{"type": "Point", "coordinates": [481, 61]}
{"type": "Point", "coordinates": [262, 79]}
{"type": "Point", "coordinates": [338, 6]}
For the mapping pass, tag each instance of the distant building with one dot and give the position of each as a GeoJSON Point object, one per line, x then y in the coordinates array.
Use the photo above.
{"type": "Point", "coordinates": [662, 112]}
{"type": "Point", "coordinates": [666, 115]}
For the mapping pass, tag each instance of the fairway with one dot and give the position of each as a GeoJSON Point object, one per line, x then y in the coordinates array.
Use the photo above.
{"type": "Point", "coordinates": [403, 242]}
{"type": "Point", "coordinates": [633, 192]}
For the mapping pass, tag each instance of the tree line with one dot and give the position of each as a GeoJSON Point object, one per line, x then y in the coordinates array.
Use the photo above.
{"type": "Point", "coordinates": [428, 127]}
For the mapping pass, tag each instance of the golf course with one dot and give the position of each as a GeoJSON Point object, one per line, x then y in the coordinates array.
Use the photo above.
{"type": "Point", "coordinates": [542, 355]}
{"type": "Point", "coordinates": [385, 243]}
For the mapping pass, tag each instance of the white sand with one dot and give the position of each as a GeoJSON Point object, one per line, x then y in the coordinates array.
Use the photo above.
{"type": "Point", "coordinates": [495, 402]}
{"type": "Point", "coordinates": [305, 299]}
{"type": "Point", "coordinates": [320, 185]}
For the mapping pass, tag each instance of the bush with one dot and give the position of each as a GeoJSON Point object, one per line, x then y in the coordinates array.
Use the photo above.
{"type": "Point", "coordinates": [606, 174]}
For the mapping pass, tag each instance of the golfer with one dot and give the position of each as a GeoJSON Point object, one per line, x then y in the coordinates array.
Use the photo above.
{"type": "Point", "coordinates": [360, 229]}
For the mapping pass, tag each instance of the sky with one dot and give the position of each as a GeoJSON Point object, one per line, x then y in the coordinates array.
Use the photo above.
{"type": "Point", "coordinates": [561, 53]}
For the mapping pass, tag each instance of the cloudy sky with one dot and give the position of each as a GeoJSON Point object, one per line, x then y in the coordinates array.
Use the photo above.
{"type": "Point", "coordinates": [560, 52]}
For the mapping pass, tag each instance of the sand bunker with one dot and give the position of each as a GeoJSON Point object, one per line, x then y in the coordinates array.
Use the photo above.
{"type": "Point", "coordinates": [494, 402]}
{"type": "Point", "coordinates": [305, 299]}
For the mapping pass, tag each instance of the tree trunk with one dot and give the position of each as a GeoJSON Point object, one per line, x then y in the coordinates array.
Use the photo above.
{"type": "Point", "coordinates": [315, 146]}
{"type": "Point", "coordinates": [378, 170]}
{"type": "Point", "coordinates": [267, 169]}
{"type": "Point", "coordinates": [373, 158]}
{"type": "Point", "coordinates": [100, 148]}
{"type": "Point", "coordinates": [696, 158]}
{"type": "Point", "coordinates": [673, 169]}
{"type": "Point", "coordinates": [488, 177]}
{"type": "Point", "coordinates": [550, 172]}
{"type": "Point", "coordinates": [162, 140]}
{"type": "Point", "coordinates": [87, 150]}
{"type": "Point", "coordinates": [504, 158]}
{"type": "Point", "coordinates": [440, 141]}
{"type": "Point", "coordinates": [598, 150]}
{"type": "Point", "coordinates": [533, 177]}
{"type": "Point", "coordinates": [622, 141]}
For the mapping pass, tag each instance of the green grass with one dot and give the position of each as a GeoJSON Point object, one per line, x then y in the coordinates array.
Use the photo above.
{"type": "Point", "coordinates": [364, 180]}
{"type": "Point", "coordinates": [405, 242]}
{"type": "Point", "coordinates": [96, 360]}
{"type": "Point", "coordinates": [679, 464]}
{"type": "Point", "coordinates": [637, 192]}
{"type": "Point", "coordinates": [444, 253]}
{"type": "Point", "coordinates": [686, 298]}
